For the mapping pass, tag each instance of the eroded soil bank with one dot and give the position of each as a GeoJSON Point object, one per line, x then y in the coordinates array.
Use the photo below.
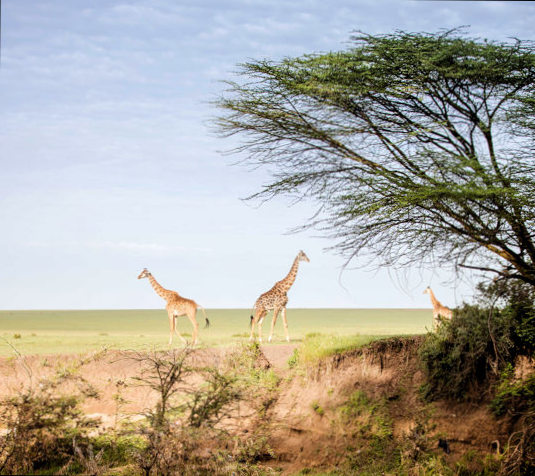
{"type": "Point", "coordinates": [363, 409]}
{"type": "Point", "coordinates": [360, 412]}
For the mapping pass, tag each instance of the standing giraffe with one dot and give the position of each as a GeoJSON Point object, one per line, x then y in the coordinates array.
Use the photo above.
{"type": "Point", "coordinates": [276, 299]}
{"type": "Point", "coordinates": [438, 308]}
{"type": "Point", "coordinates": [176, 306]}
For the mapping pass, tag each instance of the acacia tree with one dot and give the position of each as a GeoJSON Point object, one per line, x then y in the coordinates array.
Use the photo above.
{"type": "Point", "coordinates": [418, 147]}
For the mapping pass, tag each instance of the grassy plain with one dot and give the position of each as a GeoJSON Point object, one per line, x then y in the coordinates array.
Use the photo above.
{"type": "Point", "coordinates": [50, 332]}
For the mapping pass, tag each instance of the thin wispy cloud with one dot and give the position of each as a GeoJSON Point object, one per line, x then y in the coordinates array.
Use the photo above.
{"type": "Point", "coordinates": [124, 246]}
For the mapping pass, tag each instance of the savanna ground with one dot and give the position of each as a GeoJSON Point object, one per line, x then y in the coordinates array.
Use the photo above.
{"type": "Point", "coordinates": [59, 332]}
{"type": "Point", "coordinates": [344, 397]}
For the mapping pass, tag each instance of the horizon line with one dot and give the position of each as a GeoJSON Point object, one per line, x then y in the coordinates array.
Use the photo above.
{"type": "Point", "coordinates": [207, 308]}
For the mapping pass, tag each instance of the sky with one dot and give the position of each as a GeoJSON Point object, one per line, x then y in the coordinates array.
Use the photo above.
{"type": "Point", "coordinates": [109, 163]}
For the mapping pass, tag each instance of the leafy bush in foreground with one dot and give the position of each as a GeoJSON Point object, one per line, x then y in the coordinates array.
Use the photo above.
{"type": "Point", "coordinates": [514, 397]}
{"type": "Point", "coordinates": [42, 423]}
{"type": "Point", "coordinates": [467, 353]}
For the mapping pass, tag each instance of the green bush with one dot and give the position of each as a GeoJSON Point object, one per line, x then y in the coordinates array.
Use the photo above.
{"type": "Point", "coordinates": [519, 312]}
{"type": "Point", "coordinates": [368, 428]}
{"type": "Point", "coordinates": [515, 397]}
{"type": "Point", "coordinates": [459, 355]}
{"type": "Point", "coordinates": [293, 361]}
{"type": "Point", "coordinates": [43, 423]}
{"type": "Point", "coordinates": [467, 353]}
{"type": "Point", "coordinates": [317, 408]}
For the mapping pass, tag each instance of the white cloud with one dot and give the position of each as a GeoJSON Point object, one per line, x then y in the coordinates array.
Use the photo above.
{"type": "Point", "coordinates": [124, 246]}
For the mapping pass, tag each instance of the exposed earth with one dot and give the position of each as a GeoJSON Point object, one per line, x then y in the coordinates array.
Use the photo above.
{"type": "Point", "coordinates": [305, 421]}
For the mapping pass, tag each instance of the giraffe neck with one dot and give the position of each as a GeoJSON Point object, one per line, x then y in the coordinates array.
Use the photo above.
{"type": "Point", "coordinates": [160, 291]}
{"type": "Point", "coordinates": [287, 282]}
{"type": "Point", "coordinates": [434, 300]}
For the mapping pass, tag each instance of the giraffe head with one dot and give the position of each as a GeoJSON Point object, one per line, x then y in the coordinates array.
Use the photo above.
{"type": "Point", "coordinates": [427, 290]}
{"type": "Point", "coordinates": [144, 274]}
{"type": "Point", "coordinates": [303, 257]}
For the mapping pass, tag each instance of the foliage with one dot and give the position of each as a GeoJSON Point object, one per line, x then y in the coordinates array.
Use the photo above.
{"type": "Point", "coordinates": [516, 398]}
{"type": "Point", "coordinates": [368, 427]}
{"type": "Point", "coordinates": [516, 302]}
{"type": "Point", "coordinates": [181, 434]}
{"type": "Point", "coordinates": [513, 396]}
{"type": "Point", "coordinates": [43, 422]}
{"type": "Point", "coordinates": [417, 147]}
{"type": "Point", "coordinates": [519, 455]}
{"type": "Point", "coordinates": [317, 346]}
{"type": "Point", "coordinates": [41, 428]}
{"type": "Point", "coordinates": [459, 356]}
{"type": "Point", "coordinates": [254, 449]}
{"type": "Point", "coordinates": [118, 449]}
{"type": "Point", "coordinates": [317, 408]}
{"type": "Point", "coordinates": [373, 415]}
{"type": "Point", "coordinates": [252, 369]}
{"type": "Point", "coordinates": [163, 372]}
{"type": "Point", "coordinates": [209, 404]}
{"type": "Point", "coordinates": [467, 353]}
{"type": "Point", "coordinates": [293, 360]}
{"type": "Point", "coordinates": [46, 430]}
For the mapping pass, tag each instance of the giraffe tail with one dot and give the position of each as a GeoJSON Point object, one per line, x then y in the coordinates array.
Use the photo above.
{"type": "Point", "coordinates": [207, 323]}
{"type": "Point", "coordinates": [252, 314]}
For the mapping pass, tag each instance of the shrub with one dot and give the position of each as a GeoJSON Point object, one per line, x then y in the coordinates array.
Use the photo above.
{"type": "Point", "coordinates": [253, 449]}
{"type": "Point", "coordinates": [369, 431]}
{"type": "Point", "coordinates": [317, 408]}
{"type": "Point", "coordinates": [519, 312]}
{"type": "Point", "coordinates": [515, 397]}
{"type": "Point", "coordinates": [181, 434]}
{"type": "Point", "coordinates": [459, 356]}
{"type": "Point", "coordinates": [293, 360]}
{"type": "Point", "coordinates": [42, 424]}
{"type": "Point", "coordinates": [210, 403]}
{"type": "Point", "coordinates": [40, 431]}
{"type": "Point", "coordinates": [467, 353]}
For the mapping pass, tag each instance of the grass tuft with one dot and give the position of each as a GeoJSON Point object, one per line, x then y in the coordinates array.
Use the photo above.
{"type": "Point", "coordinates": [318, 346]}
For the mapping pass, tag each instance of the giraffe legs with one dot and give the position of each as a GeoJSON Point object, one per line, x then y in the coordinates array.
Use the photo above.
{"type": "Point", "coordinates": [284, 320]}
{"type": "Point", "coordinates": [191, 316]}
{"type": "Point", "coordinates": [173, 328]}
{"type": "Point", "coordinates": [260, 325]}
{"type": "Point", "coordinates": [258, 319]}
{"type": "Point", "coordinates": [178, 333]}
{"type": "Point", "coordinates": [273, 321]}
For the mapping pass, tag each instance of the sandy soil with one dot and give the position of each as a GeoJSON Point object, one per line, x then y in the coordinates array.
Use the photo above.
{"type": "Point", "coordinates": [300, 436]}
{"type": "Point", "coordinates": [109, 372]}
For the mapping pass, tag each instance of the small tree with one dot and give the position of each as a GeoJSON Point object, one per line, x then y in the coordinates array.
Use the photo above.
{"type": "Point", "coordinates": [45, 427]}
{"type": "Point", "coordinates": [419, 148]}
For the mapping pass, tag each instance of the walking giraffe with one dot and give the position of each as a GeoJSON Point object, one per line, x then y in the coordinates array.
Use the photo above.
{"type": "Point", "coordinates": [176, 306]}
{"type": "Point", "coordinates": [438, 308]}
{"type": "Point", "coordinates": [276, 299]}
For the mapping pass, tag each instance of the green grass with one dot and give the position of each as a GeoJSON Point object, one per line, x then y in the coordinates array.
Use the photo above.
{"type": "Point", "coordinates": [46, 332]}
{"type": "Point", "coordinates": [317, 346]}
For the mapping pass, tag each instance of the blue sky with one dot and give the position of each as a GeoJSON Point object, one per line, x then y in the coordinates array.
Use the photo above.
{"type": "Point", "coordinates": [109, 166]}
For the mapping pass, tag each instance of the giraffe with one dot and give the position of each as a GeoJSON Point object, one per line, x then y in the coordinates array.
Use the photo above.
{"type": "Point", "coordinates": [438, 308]}
{"type": "Point", "coordinates": [276, 299]}
{"type": "Point", "coordinates": [176, 306]}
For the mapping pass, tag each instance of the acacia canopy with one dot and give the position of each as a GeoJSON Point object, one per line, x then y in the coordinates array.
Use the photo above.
{"type": "Point", "coordinates": [418, 147]}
